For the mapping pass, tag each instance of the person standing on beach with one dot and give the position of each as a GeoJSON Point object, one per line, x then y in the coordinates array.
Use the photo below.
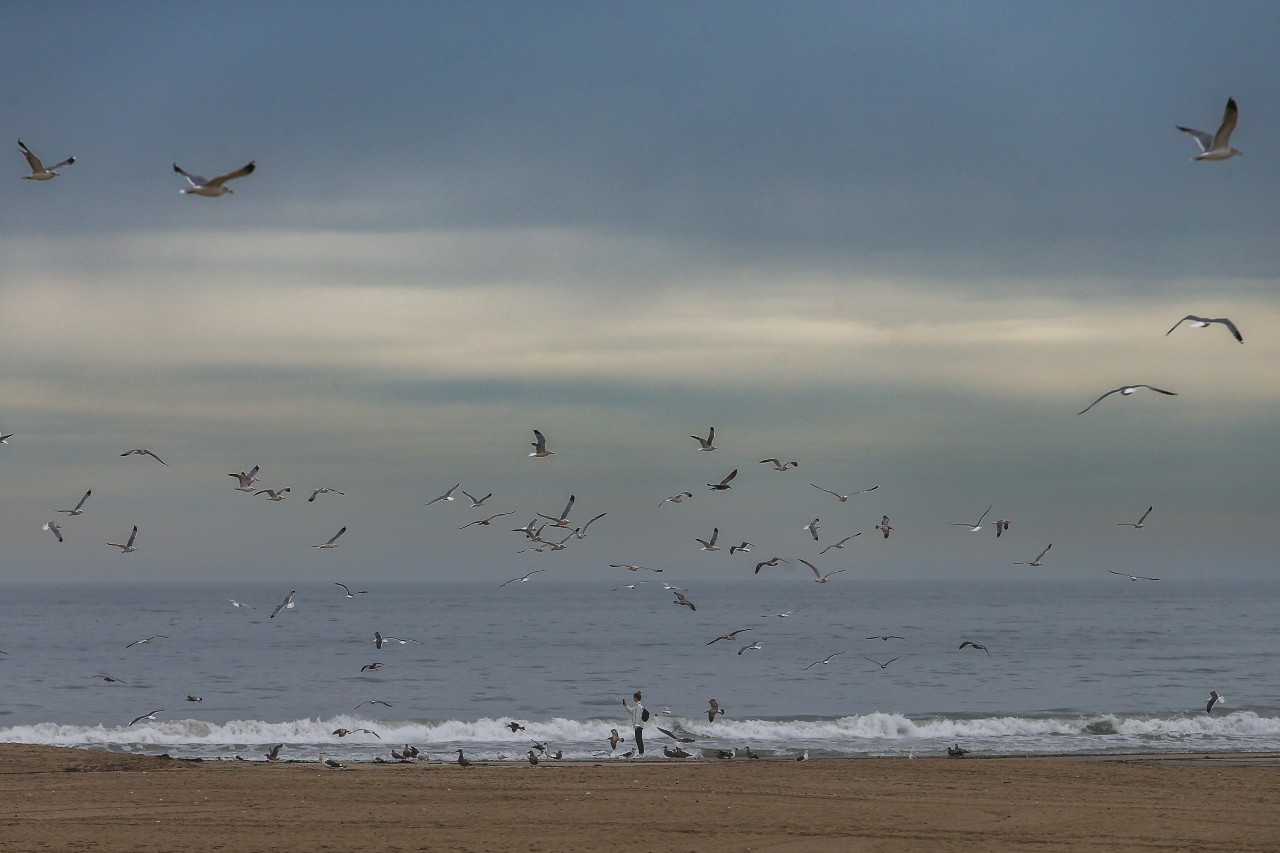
{"type": "Point", "coordinates": [638, 717]}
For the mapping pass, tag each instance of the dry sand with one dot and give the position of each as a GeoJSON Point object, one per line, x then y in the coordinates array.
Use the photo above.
{"type": "Point", "coordinates": [70, 800]}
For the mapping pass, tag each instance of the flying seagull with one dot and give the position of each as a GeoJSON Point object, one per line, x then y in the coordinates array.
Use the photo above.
{"type": "Point", "coordinates": [1203, 322]}
{"type": "Point", "coordinates": [486, 521]}
{"type": "Point", "coordinates": [886, 637]}
{"type": "Point", "coordinates": [333, 540]}
{"type": "Point", "coordinates": [976, 526]}
{"type": "Point", "coordinates": [632, 568]}
{"type": "Point", "coordinates": [823, 661]}
{"type": "Point", "coordinates": [581, 532]}
{"type": "Point", "coordinates": [723, 484]}
{"type": "Point", "coordinates": [54, 528]}
{"type": "Point", "coordinates": [539, 450]}
{"type": "Point", "coordinates": [1218, 145]}
{"type": "Point", "coordinates": [273, 754]}
{"type": "Point", "coordinates": [732, 635]}
{"type": "Point", "coordinates": [563, 519]}
{"type": "Point", "coordinates": [754, 647]}
{"type": "Point", "coordinates": [211, 187]}
{"type": "Point", "coordinates": [287, 604]}
{"type": "Point", "coordinates": [345, 589]}
{"type": "Point", "coordinates": [379, 641]}
{"type": "Point", "coordinates": [676, 737]}
{"type": "Point", "coordinates": [819, 577]}
{"type": "Point", "coordinates": [371, 702]}
{"type": "Point", "coordinates": [1132, 577]}
{"type": "Point", "coordinates": [1141, 522]}
{"type": "Point", "coordinates": [713, 709]}
{"type": "Point", "coordinates": [1002, 525]}
{"type": "Point", "coordinates": [684, 602]}
{"type": "Point", "coordinates": [142, 451]}
{"type": "Point", "coordinates": [843, 498]}
{"type": "Point", "coordinates": [447, 496]}
{"type": "Point", "coordinates": [676, 498]}
{"type": "Point", "coordinates": [150, 716]}
{"type": "Point", "coordinates": [772, 561]}
{"type": "Point", "coordinates": [246, 479]}
{"type": "Point", "coordinates": [1126, 390]}
{"type": "Point", "coordinates": [273, 494]}
{"type": "Point", "coordinates": [515, 727]}
{"type": "Point", "coordinates": [146, 641]}
{"type": "Point", "coordinates": [779, 465]}
{"type": "Point", "coordinates": [38, 170]}
{"type": "Point", "coordinates": [522, 578]}
{"type": "Point", "coordinates": [371, 667]}
{"type": "Point", "coordinates": [127, 547]}
{"type": "Point", "coordinates": [1036, 562]}
{"type": "Point", "coordinates": [840, 544]}
{"type": "Point", "coordinates": [710, 544]}
{"type": "Point", "coordinates": [976, 646]}
{"type": "Point", "coordinates": [476, 502]}
{"type": "Point", "coordinates": [323, 490]}
{"type": "Point", "coordinates": [884, 526]}
{"type": "Point", "coordinates": [1214, 699]}
{"type": "Point", "coordinates": [345, 732]}
{"type": "Point", "coordinates": [79, 507]}
{"type": "Point", "coordinates": [708, 443]}
{"type": "Point", "coordinates": [813, 527]}
{"type": "Point", "coordinates": [238, 604]}
{"type": "Point", "coordinates": [884, 665]}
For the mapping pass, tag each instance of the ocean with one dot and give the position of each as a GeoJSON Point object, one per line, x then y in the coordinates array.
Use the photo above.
{"type": "Point", "coordinates": [1099, 666]}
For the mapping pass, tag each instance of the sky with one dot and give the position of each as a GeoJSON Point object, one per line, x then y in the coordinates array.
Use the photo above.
{"type": "Point", "coordinates": [901, 244]}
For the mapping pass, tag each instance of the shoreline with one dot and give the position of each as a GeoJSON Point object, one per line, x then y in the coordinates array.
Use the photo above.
{"type": "Point", "coordinates": [59, 798]}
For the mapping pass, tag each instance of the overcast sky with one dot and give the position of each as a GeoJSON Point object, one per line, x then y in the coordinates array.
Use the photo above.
{"type": "Point", "coordinates": [901, 244]}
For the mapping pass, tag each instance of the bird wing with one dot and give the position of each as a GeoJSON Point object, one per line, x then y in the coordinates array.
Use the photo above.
{"type": "Point", "coordinates": [1204, 140]}
{"type": "Point", "coordinates": [812, 567]}
{"type": "Point", "coordinates": [133, 535]}
{"type": "Point", "coordinates": [1158, 390]}
{"type": "Point", "coordinates": [194, 180]}
{"type": "Point", "coordinates": [1045, 551]}
{"type": "Point", "coordinates": [1230, 116]}
{"type": "Point", "coordinates": [1230, 325]}
{"type": "Point", "coordinates": [32, 160]}
{"type": "Point", "coordinates": [336, 535]}
{"type": "Point", "coordinates": [984, 515]}
{"type": "Point", "coordinates": [1099, 400]}
{"type": "Point", "coordinates": [83, 499]}
{"type": "Point", "coordinates": [231, 176]}
{"type": "Point", "coordinates": [1145, 514]}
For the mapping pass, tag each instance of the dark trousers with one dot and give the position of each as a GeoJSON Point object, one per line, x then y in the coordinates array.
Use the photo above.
{"type": "Point", "coordinates": [640, 739]}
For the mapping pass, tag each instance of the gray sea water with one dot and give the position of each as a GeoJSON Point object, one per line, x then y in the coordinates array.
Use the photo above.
{"type": "Point", "coordinates": [1105, 665]}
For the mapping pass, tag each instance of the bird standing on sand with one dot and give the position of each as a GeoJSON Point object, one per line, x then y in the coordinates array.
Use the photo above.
{"type": "Point", "coordinates": [957, 751]}
{"type": "Point", "coordinates": [462, 760]}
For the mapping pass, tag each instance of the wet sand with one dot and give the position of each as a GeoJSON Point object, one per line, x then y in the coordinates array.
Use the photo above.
{"type": "Point", "coordinates": [66, 799]}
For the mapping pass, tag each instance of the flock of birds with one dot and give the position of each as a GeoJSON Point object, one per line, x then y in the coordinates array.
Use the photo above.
{"type": "Point", "coordinates": [545, 533]}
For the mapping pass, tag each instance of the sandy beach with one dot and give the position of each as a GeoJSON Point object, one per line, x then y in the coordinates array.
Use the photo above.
{"type": "Point", "coordinates": [68, 799]}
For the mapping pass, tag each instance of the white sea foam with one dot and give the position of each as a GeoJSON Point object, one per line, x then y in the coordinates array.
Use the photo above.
{"type": "Point", "coordinates": [487, 738]}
